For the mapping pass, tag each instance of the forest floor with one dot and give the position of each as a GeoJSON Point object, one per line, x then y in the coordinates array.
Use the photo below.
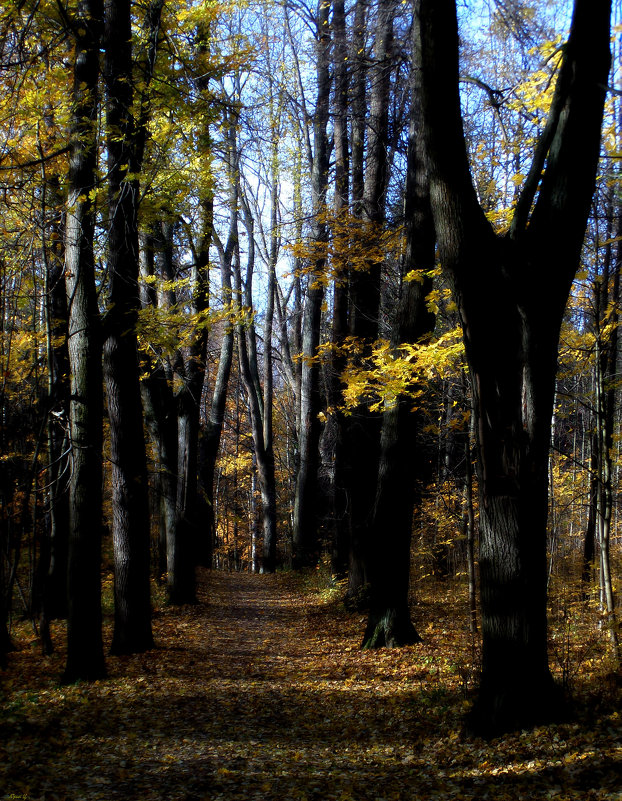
{"type": "Point", "coordinates": [262, 692]}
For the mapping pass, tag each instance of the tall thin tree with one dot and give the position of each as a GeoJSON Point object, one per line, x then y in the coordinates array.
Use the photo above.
{"type": "Point", "coordinates": [130, 529]}
{"type": "Point", "coordinates": [85, 656]}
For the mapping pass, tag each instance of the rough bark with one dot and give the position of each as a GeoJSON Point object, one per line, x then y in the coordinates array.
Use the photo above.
{"type": "Point", "coordinates": [511, 336]}
{"type": "Point", "coordinates": [51, 579]}
{"type": "Point", "coordinates": [338, 501]}
{"type": "Point", "coordinates": [85, 655]}
{"type": "Point", "coordinates": [363, 428]}
{"type": "Point", "coordinates": [130, 500]}
{"type": "Point", "coordinates": [389, 622]}
{"type": "Point", "coordinates": [469, 521]}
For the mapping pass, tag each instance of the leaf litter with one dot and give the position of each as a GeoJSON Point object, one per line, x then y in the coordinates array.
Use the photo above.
{"type": "Point", "coordinates": [261, 692]}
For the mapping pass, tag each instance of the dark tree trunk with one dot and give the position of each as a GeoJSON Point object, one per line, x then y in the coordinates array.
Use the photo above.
{"type": "Point", "coordinates": [85, 655]}
{"type": "Point", "coordinates": [589, 537]}
{"type": "Point", "coordinates": [359, 62]}
{"type": "Point", "coordinates": [511, 336]}
{"type": "Point", "coordinates": [189, 531]}
{"type": "Point", "coordinates": [338, 501]}
{"type": "Point", "coordinates": [130, 500]}
{"type": "Point", "coordinates": [389, 621]}
{"type": "Point", "coordinates": [161, 421]}
{"type": "Point", "coordinates": [469, 521]}
{"type": "Point", "coordinates": [189, 547]}
{"type": "Point", "coordinates": [362, 441]}
{"type": "Point", "coordinates": [306, 502]}
{"type": "Point", "coordinates": [51, 579]}
{"type": "Point", "coordinates": [306, 546]}
{"type": "Point", "coordinates": [6, 645]}
{"type": "Point", "coordinates": [192, 545]}
{"type": "Point", "coordinates": [159, 405]}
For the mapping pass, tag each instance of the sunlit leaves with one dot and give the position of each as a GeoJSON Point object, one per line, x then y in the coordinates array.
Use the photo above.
{"type": "Point", "coordinates": [352, 245]}
{"type": "Point", "coordinates": [390, 372]}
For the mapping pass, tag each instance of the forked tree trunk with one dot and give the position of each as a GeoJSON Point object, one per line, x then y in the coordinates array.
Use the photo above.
{"type": "Point", "coordinates": [191, 533]}
{"type": "Point", "coordinates": [249, 371]}
{"type": "Point", "coordinates": [209, 443]}
{"type": "Point", "coordinates": [192, 545]}
{"type": "Point", "coordinates": [511, 293]}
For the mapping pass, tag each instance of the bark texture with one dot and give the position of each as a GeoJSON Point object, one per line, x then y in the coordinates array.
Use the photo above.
{"type": "Point", "coordinates": [130, 504]}
{"type": "Point", "coordinates": [511, 292]}
{"type": "Point", "coordinates": [389, 622]}
{"type": "Point", "coordinates": [362, 436]}
{"type": "Point", "coordinates": [85, 655]}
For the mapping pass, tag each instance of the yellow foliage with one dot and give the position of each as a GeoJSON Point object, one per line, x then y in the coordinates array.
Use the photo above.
{"type": "Point", "coordinates": [237, 463]}
{"type": "Point", "coordinates": [353, 244]}
{"type": "Point", "coordinates": [388, 373]}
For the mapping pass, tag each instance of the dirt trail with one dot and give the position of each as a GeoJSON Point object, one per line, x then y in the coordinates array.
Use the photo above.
{"type": "Point", "coordinates": [261, 692]}
{"type": "Point", "coordinates": [255, 693]}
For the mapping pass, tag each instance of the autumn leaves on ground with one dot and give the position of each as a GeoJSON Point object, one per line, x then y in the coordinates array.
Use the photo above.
{"type": "Point", "coordinates": [261, 692]}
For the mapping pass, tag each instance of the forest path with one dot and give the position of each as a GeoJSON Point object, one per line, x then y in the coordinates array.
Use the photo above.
{"type": "Point", "coordinates": [262, 692]}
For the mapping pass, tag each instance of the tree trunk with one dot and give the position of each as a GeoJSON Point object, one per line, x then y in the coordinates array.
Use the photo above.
{"type": "Point", "coordinates": [209, 444]}
{"type": "Point", "coordinates": [191, 534]}
{"type": "Point", "coordinates": [364, 426]}
{"type": "Point", "coordinates": [469, 522]}
{"type": "Point", "coordinates": [589, 537]}
{"type": "Point", "coordinates": [52, 570]}
{"type": "Point", "coordinates": [247, 355]}
{"type": "Point", "coordinates": [389, 621]}
{"type": "Point", "coordinates": [263, 452]}
{"type": "Point", "coordinates": [306, 503]}
{"type": "Point", "coordinates": [606, 360]}
{"type": "Point", "coordinates": [130, 499]}
{"type": "Point", "coordinates": [158, 399]}
{"type": "Point", "coordinates": [85, 655]}
{"type": "Point", "coordinates": [192, 547]}
{"type": "Point", "coordinates": [341, 267]}
{"type": "Point", "coordinates": [511, 336]}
